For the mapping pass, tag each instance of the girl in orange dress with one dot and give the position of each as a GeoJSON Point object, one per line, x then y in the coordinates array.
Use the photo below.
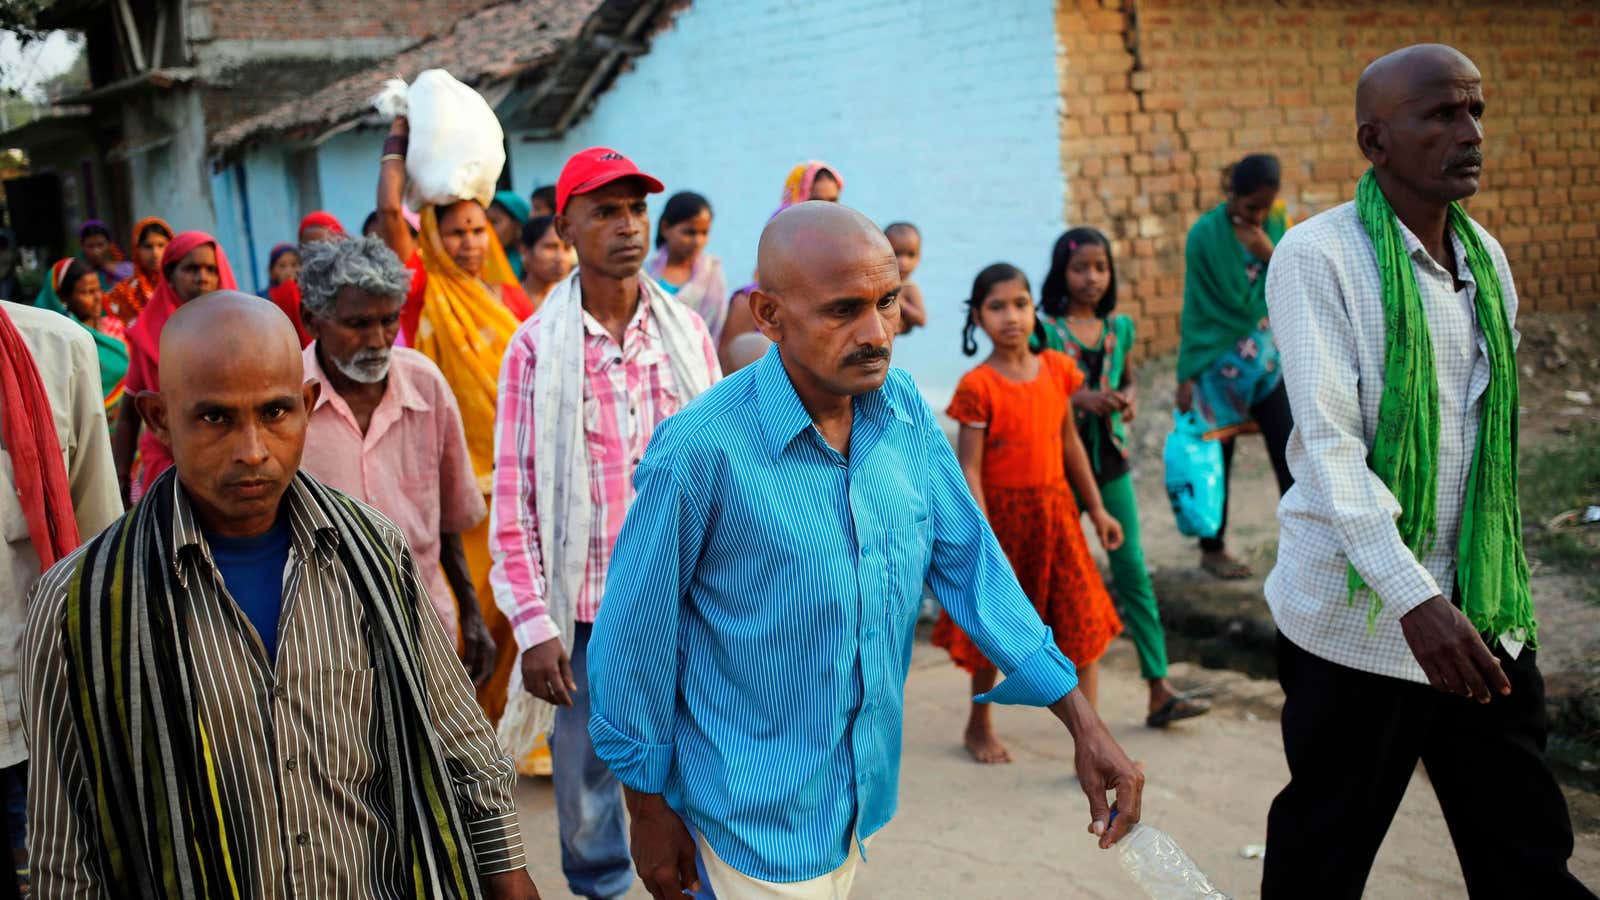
{"type": "Point", "coordinates": [1018, 446]}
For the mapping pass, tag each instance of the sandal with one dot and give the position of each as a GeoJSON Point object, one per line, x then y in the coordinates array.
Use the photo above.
{"type": "Point", "coordinates": [1176, 708]}
{"type": "Point", "coordinates": [1226, 567]}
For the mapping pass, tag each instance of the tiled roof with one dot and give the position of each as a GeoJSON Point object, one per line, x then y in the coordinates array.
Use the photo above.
{"type": "Point", "coordinates": [492, 45]}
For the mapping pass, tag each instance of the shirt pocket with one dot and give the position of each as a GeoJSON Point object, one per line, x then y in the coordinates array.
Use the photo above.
{"type": "Point", "coordinates": [346, 723]}
{"type": "Point", "coordinates": [906, 551]}
{"type": "Point", "coordinates": [13, 522]}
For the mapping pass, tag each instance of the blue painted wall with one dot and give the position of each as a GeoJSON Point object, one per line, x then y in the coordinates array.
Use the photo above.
{"type": "Point", "coordinates": [940, 112]}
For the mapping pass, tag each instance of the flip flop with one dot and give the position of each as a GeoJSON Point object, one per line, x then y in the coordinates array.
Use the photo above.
{"type": "Point", "coordinates": [1173, 711]}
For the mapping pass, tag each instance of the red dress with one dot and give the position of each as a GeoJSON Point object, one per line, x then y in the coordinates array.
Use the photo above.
{"type": "Point", "coordinates": [1031, 508]}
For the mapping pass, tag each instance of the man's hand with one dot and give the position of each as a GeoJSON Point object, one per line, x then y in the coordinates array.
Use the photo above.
{"type": "Point", "coordinates": [1102, 767]}
{"type": "Point", "coordinates": [1185, 396]}
{"type": "Point", "coordinates": [1451, 653]}
{"type": "Point", "coordinates": [478, 649]}
{"type": "Point", "coordinates": [663, 849]}
{"type": "Point", "coordinates": [514, 885]}
{"type": "Point", "coordinates": [547, 673]}
{"type": "Point", "coordinates": [1099, 403]}
{"type": "Point", "coordinates": [1107, 528]}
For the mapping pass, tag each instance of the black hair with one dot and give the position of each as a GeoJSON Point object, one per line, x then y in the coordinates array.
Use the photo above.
{"type": "Point", "coordinates": [369, 221]}
{"type": "Point", "coordinates": [681, 207]}
{"type": "Point", "coordinates": [1251, 174]}
{"type": "Point", "coordinates": [92, 229]}
{"type": "Point", "coordinates": [156, 227]}
{"type": "Point", "coordinates": [545, 194]}
{"type": "Point", "coordinates": [533, 231]}
{"type": "Point", "coordinates": [994, 274]}
{"type": "Point", "coordinates": [892, 227]}
{"type": "Point", "coordinates": [1053, 293]}
{"type": "Point", "coordinates": [69, 279]}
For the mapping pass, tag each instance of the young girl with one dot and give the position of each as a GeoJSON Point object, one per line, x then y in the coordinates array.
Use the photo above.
{"type": "Point", "coordinates": [283, 265]}
{"type": "Point", "coordinates": [681, 264]}
{"type": "Point", "coordinates": [544, 258]}
{"type": "Point", "coordinates": [1018, 448]}
{"type": "Point", "coordinates": [1078, 297]}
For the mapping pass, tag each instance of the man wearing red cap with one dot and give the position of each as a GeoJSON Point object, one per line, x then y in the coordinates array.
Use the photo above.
{"type": "Point", "coordinates": [584, 384]}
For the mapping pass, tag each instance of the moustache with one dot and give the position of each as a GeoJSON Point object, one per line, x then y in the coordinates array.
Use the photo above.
{"type": "Point", "coordinates": [865, 355]}
{"type": "Point", "coordinates": [1473, 157]}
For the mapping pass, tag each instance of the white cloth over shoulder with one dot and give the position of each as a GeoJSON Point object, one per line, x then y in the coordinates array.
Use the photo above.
{"type": "Point", "coordinates": [562, 501]}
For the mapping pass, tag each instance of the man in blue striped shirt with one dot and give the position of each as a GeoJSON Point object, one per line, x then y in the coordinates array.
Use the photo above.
{"type": "Point", "coordinates": [748, 664]}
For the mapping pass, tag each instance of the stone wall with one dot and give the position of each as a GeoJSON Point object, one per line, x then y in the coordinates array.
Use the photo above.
{"type": "Point", "coordinates": [1160, 95]}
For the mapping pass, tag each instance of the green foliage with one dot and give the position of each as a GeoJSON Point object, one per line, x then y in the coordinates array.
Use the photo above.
{"type": "Point", "coordinates": [1559, 474]}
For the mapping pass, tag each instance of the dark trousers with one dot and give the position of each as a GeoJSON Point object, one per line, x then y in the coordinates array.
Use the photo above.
{"type": "Point", "coordinates": [1353, 739]}
{"type": "Point", "coordinates": [1276, 421]}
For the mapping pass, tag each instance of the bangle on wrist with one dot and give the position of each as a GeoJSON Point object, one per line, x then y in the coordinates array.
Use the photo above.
{"type": "Point", "coordinates": [391, 156]}
{"type": "Point", "coordinates": [395, 144]}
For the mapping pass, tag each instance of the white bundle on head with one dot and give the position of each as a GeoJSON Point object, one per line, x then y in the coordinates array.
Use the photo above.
{"type": "Point", "coordinates": [456, 149]}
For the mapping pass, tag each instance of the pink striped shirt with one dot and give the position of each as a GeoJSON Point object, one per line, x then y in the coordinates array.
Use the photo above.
{"type": "Point", "coordinates": [627, 392]}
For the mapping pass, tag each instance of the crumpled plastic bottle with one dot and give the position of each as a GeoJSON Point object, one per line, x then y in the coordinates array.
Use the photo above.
{"type": "Point", "coordinates": [1162, 870]}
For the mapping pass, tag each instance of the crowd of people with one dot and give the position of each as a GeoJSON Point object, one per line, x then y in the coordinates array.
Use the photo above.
{"type": "Point", "coordinates": [521, 486]}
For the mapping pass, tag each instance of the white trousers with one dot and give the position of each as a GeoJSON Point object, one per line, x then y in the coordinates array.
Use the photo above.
{"type": "Point", "coordinates": [729, 883]}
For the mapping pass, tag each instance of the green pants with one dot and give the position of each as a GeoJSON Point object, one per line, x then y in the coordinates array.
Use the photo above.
{"type": "Point", "coordinates": [1132, 582]}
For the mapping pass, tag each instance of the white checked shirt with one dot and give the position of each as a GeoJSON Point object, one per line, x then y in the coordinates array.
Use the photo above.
{"type": "Point", "coordinates": [1324, 297]}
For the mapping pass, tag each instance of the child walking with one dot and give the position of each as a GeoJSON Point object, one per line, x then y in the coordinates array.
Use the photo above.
{"type": "Point", "coordinates": [1079, 296]}
{"type": "Point", "coordinates": [1018, 448]}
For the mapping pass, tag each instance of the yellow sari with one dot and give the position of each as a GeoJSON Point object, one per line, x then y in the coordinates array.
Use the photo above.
{"type": "Point", "coordinates": [464, 328]}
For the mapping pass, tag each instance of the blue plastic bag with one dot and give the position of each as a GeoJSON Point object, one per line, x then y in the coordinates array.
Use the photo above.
{"type": "Point", "coordinates": [1194, 476]}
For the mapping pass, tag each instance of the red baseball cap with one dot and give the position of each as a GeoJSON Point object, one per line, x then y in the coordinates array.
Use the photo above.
{"type": "Point", "coordinates": [594, 168]}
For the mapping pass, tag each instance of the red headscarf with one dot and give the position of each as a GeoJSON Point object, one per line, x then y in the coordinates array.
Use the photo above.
{"type": "Point", "coordinates": [323, 218]}
{"type": "Point", "coordinates": [144, 338]}
{"type": "Point", "coordinates": [29, 432]}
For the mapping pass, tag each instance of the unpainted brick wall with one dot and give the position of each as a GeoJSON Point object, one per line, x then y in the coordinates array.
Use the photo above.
{"type": "Point", "coordinates": [1160, 95]}
{"type": "Point", "coordinates": [269, 20]}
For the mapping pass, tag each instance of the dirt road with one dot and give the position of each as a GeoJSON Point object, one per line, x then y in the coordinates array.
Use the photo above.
{"type": "Point", "coordinates": [1018, 830]}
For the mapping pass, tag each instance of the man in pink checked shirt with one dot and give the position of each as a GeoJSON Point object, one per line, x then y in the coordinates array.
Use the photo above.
{"type": "Point", "coordinates": [583, 385]}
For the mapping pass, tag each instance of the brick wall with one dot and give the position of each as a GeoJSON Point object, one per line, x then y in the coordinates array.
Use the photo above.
{"type": "Point", "coordinates": [1160, 95]}
{"type": "Point", "coordinates": [266, 20]}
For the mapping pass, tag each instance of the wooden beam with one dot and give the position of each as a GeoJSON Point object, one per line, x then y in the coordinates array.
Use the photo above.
{"type": "Point", "coordinates": [640, 17]}
{"type": "Point", "coordinates": [159, 41]}
{"type": "Point", "coordinates": [130, 32]}
{"type": "Point", "coordinates": [613, 44]}
{"type": "Point", "coordinates": [558, 69]}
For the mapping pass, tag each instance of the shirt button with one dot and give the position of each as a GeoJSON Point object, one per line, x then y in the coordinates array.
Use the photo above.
{"type": "Point", "coordinates": [872, 633]}
{"type": "Point", "coordinates": [302, 839]}
{"type": "Point", "coordinates": [279, 691]}
{"type": "Point", "coordinates": [291, 763]}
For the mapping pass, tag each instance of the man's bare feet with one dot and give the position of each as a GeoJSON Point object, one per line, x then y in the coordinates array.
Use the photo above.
{"type": "Point", "coordinates": [985, 747]}
{"type": "Point", "coordinates": [1223, 565]}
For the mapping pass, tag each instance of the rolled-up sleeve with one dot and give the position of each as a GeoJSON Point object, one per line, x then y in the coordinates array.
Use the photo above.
{"type": "Point", "coordinates": [975, 583]}
{"type": "Point", "coordinates": [1317, 342]}
{"type": "Point", "coordinates": [633, 651]}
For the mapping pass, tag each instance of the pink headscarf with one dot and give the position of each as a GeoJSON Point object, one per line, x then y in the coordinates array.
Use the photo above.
{"type": "Point", "coordinates": [797, 187]}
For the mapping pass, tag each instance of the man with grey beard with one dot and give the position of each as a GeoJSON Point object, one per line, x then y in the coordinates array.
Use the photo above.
{"type": "Point", "coordinates": [386, 429]}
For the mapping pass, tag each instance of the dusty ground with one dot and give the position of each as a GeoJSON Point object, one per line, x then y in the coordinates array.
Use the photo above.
{"type": "Point", "coordinates": [1017, 831]}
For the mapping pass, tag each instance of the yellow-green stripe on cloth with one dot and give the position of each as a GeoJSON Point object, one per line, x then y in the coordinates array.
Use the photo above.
{"type": "Point", "coordinates": [1491, 568]}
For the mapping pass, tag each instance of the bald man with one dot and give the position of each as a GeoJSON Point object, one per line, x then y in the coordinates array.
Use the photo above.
{"type": "Point", "coordinates": [239, 688]}
{"type": "Point", "coordinates": [748, 665]}
{"type": "Point", "coordinates": [1406, 630]}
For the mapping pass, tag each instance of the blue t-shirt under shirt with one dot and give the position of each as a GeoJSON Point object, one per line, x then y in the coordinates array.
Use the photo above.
{"type": "Point", "coordinates": [252, 568]}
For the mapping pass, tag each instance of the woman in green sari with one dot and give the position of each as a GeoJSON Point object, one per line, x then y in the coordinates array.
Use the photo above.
{"type": "Point", "coordinates": [1227, 362]}
{"type": "Point", "coordinates": [73, 289]}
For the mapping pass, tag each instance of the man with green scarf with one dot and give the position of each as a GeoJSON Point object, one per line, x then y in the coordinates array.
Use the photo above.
{"type": "Point", "coordinates": [1406, 631]}
{"type": "Point", "coordinates": [239, 688]}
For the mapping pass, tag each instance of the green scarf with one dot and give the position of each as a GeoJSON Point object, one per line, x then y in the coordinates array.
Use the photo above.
{"type": "Point", "coordinates": [112, 351]}
{"type": "Point", "coordinates": [1491, 570]}
{"type": "Point", "coordinates": [155, 782]}
{"type": "Point", "coordinates": [1220, 304]}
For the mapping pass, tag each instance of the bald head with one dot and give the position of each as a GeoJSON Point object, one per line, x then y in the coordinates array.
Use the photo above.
{"type": "Point", "coordinates": [226, 329]}
{"type": "Point", "coordinates": [811, 240]}
{"type": "Point", "coordinates": [233, 408]}
{"type": "Point", "coordinates": [1418, 121]}
{"type": "Point", "coordinates": [1394, 77]}
{"type": "Point", "coordinates": [829, 298]}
